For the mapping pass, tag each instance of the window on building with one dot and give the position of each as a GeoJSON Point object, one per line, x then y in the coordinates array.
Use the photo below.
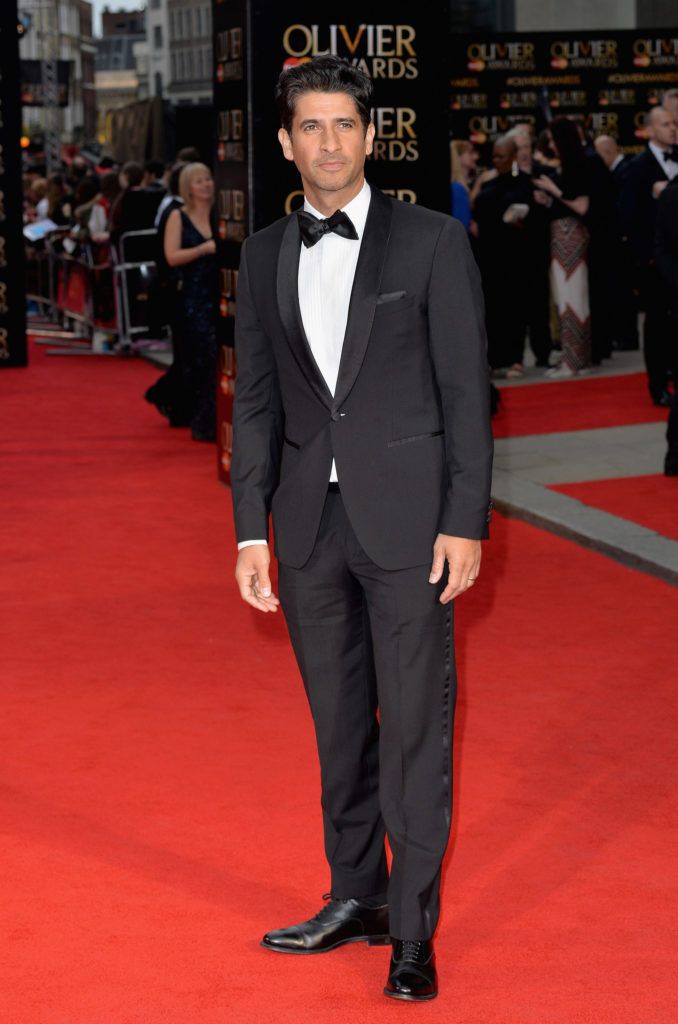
{"type": "Point", "coordinates": [189, 63]}
{"type": "Point", "coordinates": [155, 4]}
{"type": "Point", "coordinates": [157, 37]}
{"type": "Point", "coordinates": [173, 66]}
{"type": "Point", "coordinates": [208, 62]}
{"type": "Point", "coordinates": [172, 33]}
{"type": "Point", "coordinates": [158, 84]}
{"type": "Point", "coordinates": [198, 21]}
{"type": "Point", "coordinates": [181, 74]}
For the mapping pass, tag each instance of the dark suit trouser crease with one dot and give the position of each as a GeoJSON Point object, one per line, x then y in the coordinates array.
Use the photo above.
{"type": "Point", "coordinates": [367, 637]}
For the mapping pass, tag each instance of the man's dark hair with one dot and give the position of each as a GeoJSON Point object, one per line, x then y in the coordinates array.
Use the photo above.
{"type": "Point", "coordinates": [568, 143]}
{"type": "Point", "coordinates": [323, 74]}
{"type": "Point", "coordinates": [134, 173]}
{"type": "Point", "coordinates": [189, 155]}
{"type": "Point", "coordinates": [155, 167]}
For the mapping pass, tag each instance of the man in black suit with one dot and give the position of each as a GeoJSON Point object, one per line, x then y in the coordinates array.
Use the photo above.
{"type": "Point", "coordinates": [666, 254]}
{"type": "Point", "coordinates": [646, 177]}
{"type": "Point", "coordinates": [361, 418]}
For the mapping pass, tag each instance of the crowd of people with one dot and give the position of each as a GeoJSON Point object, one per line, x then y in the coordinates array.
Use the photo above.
{"type": "Point", "coordinates": [96, 207]}
{"type": "Point", "coordinates": [564, 228]}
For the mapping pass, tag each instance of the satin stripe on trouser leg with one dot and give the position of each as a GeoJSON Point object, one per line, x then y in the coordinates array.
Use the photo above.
{"type": "Point", "coordinates": [412, 653]}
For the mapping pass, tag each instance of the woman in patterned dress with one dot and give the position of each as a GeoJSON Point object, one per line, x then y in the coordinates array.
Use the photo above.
{"type": "Point", "coordinates": [569, 199]}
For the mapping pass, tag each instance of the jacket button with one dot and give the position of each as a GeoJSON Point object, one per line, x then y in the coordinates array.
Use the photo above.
{"type": "Point", "coordinates": [335, 417]}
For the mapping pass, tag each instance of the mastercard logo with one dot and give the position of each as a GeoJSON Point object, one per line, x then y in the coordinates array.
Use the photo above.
{"type": "Point", "coordinates": [223, 229]}
{"type": "Point", "coordinates": [640, 133]}
{"type": "Point", "coordinates": [220, 72]}
{"type": "Point", "coordinates": [559, 63]}
{"type": "Point", "coordinates": [478, 137]}
{"type": "Point", "coordinates": [504, 104]}
{"type": "Point", "coordinates": [603, 101]}
{"type": "Point", "coordinates": [642, 60]}
{"type": "Point", "coordinates": [555, 102]}
{"type": "Point", "coordinates": [225, 385]}
{"type": "Point", "coordinates": [221, 151]}
{"type": "Point", "coordinates": [476, 65]}
{"type": "Point", "coordinates": [291, 62]}
{"type": "Point", "coordinates": [223, 306]}
{"type": "Point", "coordinates": [226, 460]}
{"type": "Point", "coordinates": [456, 105]}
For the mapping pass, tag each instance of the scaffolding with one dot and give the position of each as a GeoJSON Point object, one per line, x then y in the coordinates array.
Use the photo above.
{"type": "Point", "coordinates": [48, 35]}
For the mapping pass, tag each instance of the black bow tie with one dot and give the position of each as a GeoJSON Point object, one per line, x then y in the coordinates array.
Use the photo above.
{"type": "Point", "coordinates": [312, 228]}
{"type": "Point", "coordinates": [671, 154]}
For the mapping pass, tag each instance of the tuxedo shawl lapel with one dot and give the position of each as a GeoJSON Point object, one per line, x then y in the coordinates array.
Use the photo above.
{"type": "Point", "coordinates": [364, 294]}
{"type": "Point", "coordinates": [290, 313]}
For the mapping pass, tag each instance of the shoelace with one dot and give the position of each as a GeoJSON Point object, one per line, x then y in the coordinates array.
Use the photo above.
{"type": "Point", "coordinates": [329, 900]}
{"type": "Point", "coordinates": [410, 949]}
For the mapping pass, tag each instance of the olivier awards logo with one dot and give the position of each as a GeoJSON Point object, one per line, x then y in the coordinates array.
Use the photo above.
{"type": "Point", "coordinates": [231, 208]}
{"type": "Point", "coordinates": [617, 98]}
{"type": "Point", "coordinates": [230, 144]}
{"type": "Point", "coordinates": [395, 135]}
{"type": "Point", "coordinates": [584, 53]}
{"type": "Point", "coordinates": [655, 53]}
{"type": "Point", "coordinates": [488, 127]}
{"type": "Point", "coordinates": [496, 56]}
{"type": "Point", "coordinates": [382, 51]}
{"type": "Point", "coordinates": [229, 56]}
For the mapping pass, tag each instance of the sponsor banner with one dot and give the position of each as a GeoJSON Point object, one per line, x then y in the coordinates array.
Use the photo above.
{"type": "Point", "coordinates": [610, 79]}
{"type": "Point", "coordinates": [401, 47]}
{"type": "Point", "coordinates": [12, 292]}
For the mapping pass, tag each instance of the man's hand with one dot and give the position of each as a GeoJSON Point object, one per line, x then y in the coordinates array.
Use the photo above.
{"type": "Point", "coordinates": [463, 557]}
{"type": "Point", "coordinates": [251, 573]}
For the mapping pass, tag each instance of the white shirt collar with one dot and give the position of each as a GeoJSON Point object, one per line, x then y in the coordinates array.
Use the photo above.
{"type": "Point", "coordinates": [356, 209]}
{"type": "Point", "coordinates": [616, 162]}
{"type": "Point", "coordinates": [658, 152]}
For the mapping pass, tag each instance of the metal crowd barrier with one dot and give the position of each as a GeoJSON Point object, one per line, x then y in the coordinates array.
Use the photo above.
{"type": "Point", "coordinates": [93, 301]}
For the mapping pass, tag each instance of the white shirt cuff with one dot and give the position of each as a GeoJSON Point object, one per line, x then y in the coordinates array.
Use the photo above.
{"type": "Point", "coordinates": [249, 543]}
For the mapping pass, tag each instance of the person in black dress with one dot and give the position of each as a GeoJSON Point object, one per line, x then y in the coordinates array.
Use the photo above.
{"type": "Point", "coordinates": [190, 246]}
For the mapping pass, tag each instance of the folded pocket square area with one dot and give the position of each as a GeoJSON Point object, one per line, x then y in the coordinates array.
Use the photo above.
{"type": "Point", "coordinates": [390, 297]}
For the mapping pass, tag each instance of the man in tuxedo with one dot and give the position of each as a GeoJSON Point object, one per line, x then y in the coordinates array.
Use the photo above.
{"type": "Point", "coordinates": [361, 419]}
{"type": "Point", "coordinates": [666, 255]}
{"type": "Point", "coordinates": [645, 179]}
{"type": "Point", "coordinates": [513, 255]}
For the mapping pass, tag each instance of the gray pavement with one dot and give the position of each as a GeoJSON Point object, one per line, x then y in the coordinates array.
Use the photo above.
{"type": "Point", "coordinates": [526, 466]}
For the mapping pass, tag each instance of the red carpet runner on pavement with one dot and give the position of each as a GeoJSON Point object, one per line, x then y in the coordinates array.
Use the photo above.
{"type": "Point", "coordinates": [159, 783]}
{"type": "Point", "coordinates": [586, 404]}
{"type": "Point", "coordinates": [650, 500]}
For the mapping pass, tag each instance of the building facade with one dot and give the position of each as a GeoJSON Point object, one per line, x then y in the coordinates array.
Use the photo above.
{"type": "Point", "coordinates": [189, 24]}
{"type": "Point", "coordinates": [122, 64]}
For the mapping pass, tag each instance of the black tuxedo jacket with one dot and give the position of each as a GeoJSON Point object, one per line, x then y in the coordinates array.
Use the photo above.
{"type": "Point", "coordinates": [666, 241]}
{"type": "Point", "coordinates": [409, 422]}
{"type": "Point", "coordinates": [637, 205]}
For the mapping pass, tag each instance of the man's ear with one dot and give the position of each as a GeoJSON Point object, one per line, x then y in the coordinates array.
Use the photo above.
{"type": "Point", "coordinates": [286, 143]}
{"type": "Point", "coordinates": [369, 138]}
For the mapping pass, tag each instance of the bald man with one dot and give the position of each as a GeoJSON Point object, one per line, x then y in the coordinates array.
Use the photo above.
{"type": "Point", "coordinates": [647, 176]}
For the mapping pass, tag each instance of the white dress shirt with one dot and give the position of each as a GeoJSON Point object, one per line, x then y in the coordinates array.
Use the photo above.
{"type": "Point", "coordinates": [325, 282]}
{"type": "Point", "coordinates": [669, 167]}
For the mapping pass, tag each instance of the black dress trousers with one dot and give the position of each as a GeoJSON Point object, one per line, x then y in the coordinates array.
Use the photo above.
{"type": "Point", "coordinates": [368, 638]}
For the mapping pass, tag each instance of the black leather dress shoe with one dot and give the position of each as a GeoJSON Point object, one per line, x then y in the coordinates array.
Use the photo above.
{"type": "Point", "coordinates": [412, 975]}
{"type": "Point", "coordinates": [339, 922]}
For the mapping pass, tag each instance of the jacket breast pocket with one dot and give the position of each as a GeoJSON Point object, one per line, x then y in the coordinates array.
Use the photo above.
{"type": "Point", "coordinates": [394, 302]}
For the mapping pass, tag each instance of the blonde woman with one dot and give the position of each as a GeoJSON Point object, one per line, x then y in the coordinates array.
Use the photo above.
{"type": "Point", "coordinates": [464, 160]}
{"type": "Point", "coordinates": [190, 246]}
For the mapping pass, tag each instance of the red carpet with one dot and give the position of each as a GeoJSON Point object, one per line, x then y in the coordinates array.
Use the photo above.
{"type": "Point", "coordinates": [651, 501]}
{"type": "Point", "coordinates": [584, 404]}
{"type": "Point", "coordinates": [160, 790]}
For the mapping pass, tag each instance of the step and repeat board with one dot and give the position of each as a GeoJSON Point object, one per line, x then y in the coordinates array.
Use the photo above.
{"type": "Point", "coordinates": [609, 79]}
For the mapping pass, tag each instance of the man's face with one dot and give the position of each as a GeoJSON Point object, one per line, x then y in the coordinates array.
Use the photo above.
{"type": "Point", "coordinates": [670, 105]}
{"type": "Point", "coordinates": [327, 142]}
{"type": "Point", "coordinates": [662, 127]}
{"type": "Point", "coordinates": [503, 156]}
